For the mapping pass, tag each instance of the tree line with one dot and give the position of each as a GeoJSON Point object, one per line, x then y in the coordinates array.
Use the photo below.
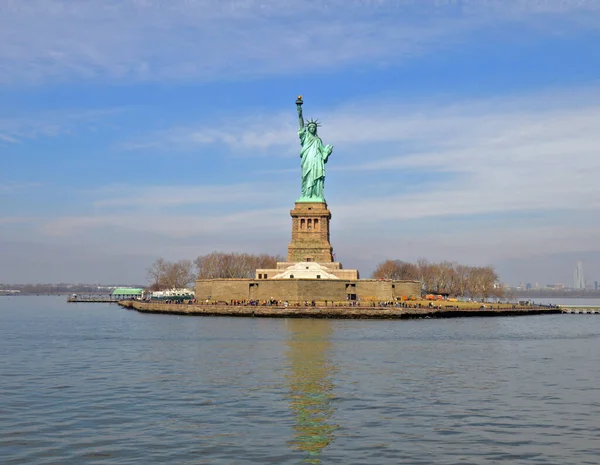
{"type": "Point", "coordinates": [163, 274]}
{"type": "Point", "coordinates": [437, 278]}
{"type": "Point", "coordinates": [444, 277]}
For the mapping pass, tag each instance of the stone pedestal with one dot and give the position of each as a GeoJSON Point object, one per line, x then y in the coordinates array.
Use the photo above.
{"type": "Point", "coordinates": [310, 233]}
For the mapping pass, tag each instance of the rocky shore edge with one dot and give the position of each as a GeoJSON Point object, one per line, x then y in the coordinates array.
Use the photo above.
{"type": "Point", "coordinates": [344, 312]}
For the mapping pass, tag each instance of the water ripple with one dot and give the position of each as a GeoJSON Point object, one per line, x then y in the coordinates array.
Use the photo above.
{"type": "Point", "coordinates": [95, 384]}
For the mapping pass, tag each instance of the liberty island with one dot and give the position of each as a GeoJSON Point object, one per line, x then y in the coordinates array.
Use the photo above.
{"type": "Point", "coordinates": [310, 276]}
{"type": "Point", "coordinates": [309, 272]}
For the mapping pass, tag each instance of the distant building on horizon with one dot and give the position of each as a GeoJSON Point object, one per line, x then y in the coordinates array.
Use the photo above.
{"type": "Point", "coordinates": [578, 277]}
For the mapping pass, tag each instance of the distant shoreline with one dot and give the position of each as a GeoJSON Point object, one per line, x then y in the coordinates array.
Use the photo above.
{"type": "Point", "coordinates": [589, 294]}
{"type": "Point", "coordinates": [47, 294]}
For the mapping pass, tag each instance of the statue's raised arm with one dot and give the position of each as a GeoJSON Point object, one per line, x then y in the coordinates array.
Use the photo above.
{"type": "Point", "coordinates": [299, 103]}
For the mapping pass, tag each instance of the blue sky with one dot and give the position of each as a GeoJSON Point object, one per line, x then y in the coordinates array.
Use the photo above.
{"type": "Point", "coordinates": [466, 130]}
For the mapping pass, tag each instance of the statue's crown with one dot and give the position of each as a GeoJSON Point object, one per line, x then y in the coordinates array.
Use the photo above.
{"type": "Point", "coordinates": [313, 121]}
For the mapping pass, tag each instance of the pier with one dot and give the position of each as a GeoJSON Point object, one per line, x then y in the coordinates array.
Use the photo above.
{"type": "Point", "coordinates": [581, 309]}
{"type": "Point", "coordinates": [98, 299]}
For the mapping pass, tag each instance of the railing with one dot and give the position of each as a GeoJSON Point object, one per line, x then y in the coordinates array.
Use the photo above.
{"type": "Point", "coordinates": [91, 298]}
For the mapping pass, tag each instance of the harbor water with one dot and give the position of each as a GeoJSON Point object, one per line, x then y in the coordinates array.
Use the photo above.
{"type": "Point", "coordinates": [93, 383]}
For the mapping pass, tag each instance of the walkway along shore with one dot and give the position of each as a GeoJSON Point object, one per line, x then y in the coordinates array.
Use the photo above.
{"type": "Point", "coordinates": [330, 312]}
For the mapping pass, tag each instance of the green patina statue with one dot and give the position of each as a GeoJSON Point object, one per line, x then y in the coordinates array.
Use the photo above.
{"type": "Point", "coordinates": [313, 156]}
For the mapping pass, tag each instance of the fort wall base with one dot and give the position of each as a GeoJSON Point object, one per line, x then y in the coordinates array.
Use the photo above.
{"type": "Point", "coordinates": [299, 290]}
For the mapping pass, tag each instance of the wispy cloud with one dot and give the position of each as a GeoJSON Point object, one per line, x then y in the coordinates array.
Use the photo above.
{"type": "Point", "coordinates": [252, 222]}
{"type": "Point", "coordinates": [48, 40]}
{"type": "Point", "coordinates": [442, 120]}
{"type": "Point", "coordinates": [254, 134]}
{"type": "Point", "coordinates": [157, 197]}
{"type": "Point", "coordinates": [488, 244]}
{"type": "Point", "coordinates": [53, 124]}
{"type": "Point", "coordinates": [515, 159]}
{"type": "Point", "coordinates": [11, 187]}
{"type": "Point", "coordinates": [516, 153]}
{"type": "Point", "coordinates": [9, 139]}
{"type": "Point", "coordinates": [16, 220]}
{"type": "Point", "coordinates": [500, 160]}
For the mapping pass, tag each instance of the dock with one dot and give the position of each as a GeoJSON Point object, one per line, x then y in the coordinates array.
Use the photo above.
{"type": "Point", "coordinates": [96, 299]}
{"type": "Point", "coordinates": [580, 309]}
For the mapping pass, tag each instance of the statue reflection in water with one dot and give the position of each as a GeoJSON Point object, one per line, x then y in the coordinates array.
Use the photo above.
{"type": "Point", "coordinates": [309, 377]}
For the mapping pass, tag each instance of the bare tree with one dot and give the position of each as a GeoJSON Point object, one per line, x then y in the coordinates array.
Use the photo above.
{"type": "Point", "coordinates": [444, 277]}
{"type": "Point", "coordinates": [396, 269]}
{"type": "Point", "coordinates": [233, 265]}
{"type": "Point", "coordinates": [482, 282]}
{"type": "Point", "coordinates": [209, 266]}
{"type": "Point", "coordinates": [461, 280]}
{"type": "Point", "coordinates": [155, 273]}
{"type": "Point", "coordinates": [427, 274]}
{"type": "Point", "coordinates": [179, 274]}
{"type": "Point", "coordinates": [163, 274]}
{"type": "Point", "coordinates": [387, 269]}
{"type": "Point", "coordinates": [268, 261]}
{"type": "Point", "coordinates": [408, 271]}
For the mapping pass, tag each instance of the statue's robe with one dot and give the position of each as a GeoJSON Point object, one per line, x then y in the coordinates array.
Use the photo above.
{"type": "Point", "coordinates": [313, 156]}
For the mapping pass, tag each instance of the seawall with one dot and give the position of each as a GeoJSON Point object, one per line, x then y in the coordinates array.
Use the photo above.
{"type": "Point", "coordinates": [329, 312]}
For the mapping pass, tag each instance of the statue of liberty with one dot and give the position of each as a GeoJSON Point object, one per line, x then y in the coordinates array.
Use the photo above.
{"type": "Point", "coordinates": [313, 156]}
